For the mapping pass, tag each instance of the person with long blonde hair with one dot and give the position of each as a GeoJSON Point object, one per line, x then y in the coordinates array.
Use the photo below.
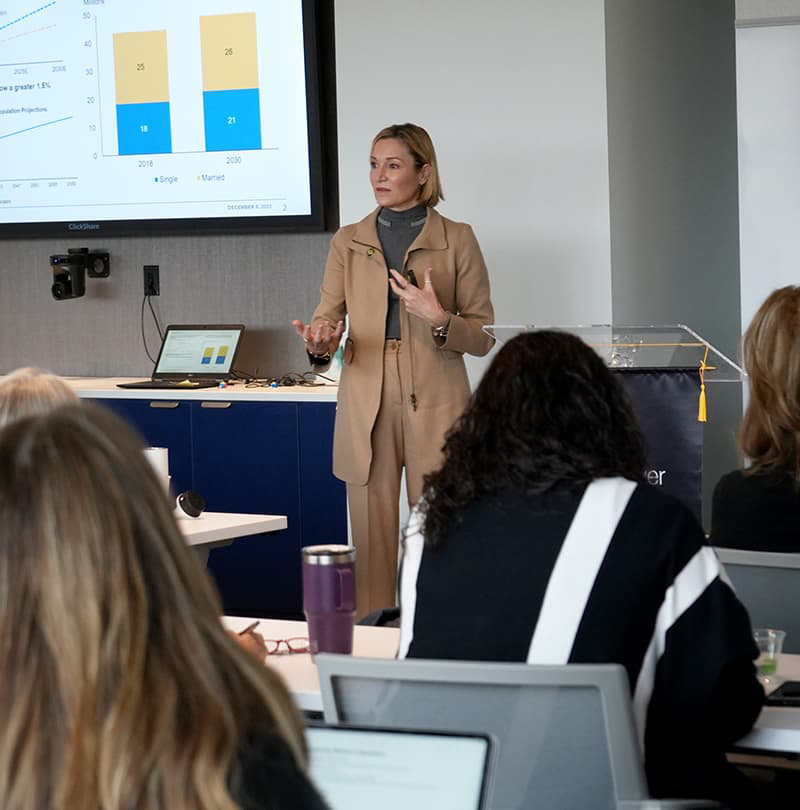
{"type": "Point", "coordinates": [759, 507]}
{"type": "Point", "coordinates": [27, 391]}
{"type": "Point", "coordinates": [121, 689]}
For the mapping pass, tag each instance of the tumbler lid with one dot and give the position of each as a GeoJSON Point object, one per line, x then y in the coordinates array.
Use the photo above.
{"type": "Point", "coordinates": [329, 554]}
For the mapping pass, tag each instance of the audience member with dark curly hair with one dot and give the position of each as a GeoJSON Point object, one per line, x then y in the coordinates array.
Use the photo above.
{"type": "Point", "coordinates": [538, 541]}
{"type": "Point", "coordinates": [759, 507]}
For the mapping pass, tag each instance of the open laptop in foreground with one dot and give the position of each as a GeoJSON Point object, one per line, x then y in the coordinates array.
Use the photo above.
{"type": "Point", "coordinates": [361, 768]}
{"type": "Point", "coordinates": [194, 356]}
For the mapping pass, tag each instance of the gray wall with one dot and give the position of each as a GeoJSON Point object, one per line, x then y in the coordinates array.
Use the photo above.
{"type": "Point", "coordinates": [671, 74]}
{"type": "Point", "coordinates": [261, 281]}
{"type": "Point", "coordinates": [513, 94]}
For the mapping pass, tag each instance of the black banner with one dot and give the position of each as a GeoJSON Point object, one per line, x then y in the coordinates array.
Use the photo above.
{"type": "Point", "coordinates": [665, 402]}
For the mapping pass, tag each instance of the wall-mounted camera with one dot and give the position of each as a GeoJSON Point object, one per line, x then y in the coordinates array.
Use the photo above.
{"type": "Point", "coordinates": [71, 268]}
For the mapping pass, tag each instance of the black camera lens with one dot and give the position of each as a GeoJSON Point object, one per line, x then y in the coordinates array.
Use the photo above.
{"type": "Point", "coordinates": [68, 283]}
{"type": "Point", "coordinates": [62, 286]}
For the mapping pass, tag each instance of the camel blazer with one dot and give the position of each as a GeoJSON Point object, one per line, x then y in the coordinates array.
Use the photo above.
{"type": "Point", "coordinates": [432, 371]}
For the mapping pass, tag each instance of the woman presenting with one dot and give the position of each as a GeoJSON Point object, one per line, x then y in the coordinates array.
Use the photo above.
{"type": "Point", "coordinates": [415, 289]}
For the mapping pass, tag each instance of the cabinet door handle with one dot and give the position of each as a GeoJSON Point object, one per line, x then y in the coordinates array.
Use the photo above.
{"type": "Point", "coordinates": [218, 405]}
{"type": "Point", "coordinates": [160, 403]}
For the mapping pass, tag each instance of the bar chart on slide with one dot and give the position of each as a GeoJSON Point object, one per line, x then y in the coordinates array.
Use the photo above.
{"type": "Point", "coordinates": [142, 91]}
{"type": "Point", "coordinates": [230, 82]}
{"type": "Point", "coordinates": [231, 99]}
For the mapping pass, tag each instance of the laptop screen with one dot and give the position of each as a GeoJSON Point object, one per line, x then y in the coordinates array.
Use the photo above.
{"type": "Point", "coordinates": [390, 769]}
{"type": "Point", "coordinates": [192, 351]}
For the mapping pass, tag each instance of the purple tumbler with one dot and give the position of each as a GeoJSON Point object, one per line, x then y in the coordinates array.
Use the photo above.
{"type": "Point", "coordinates": [329, 597]}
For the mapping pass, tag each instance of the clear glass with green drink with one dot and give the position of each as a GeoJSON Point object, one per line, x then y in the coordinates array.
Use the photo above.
{"type": "Point", "coordinates": [770, 644]}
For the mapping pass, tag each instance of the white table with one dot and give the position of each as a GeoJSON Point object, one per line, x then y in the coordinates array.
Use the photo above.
{"type": "Point", "coordinates": [214, 529]}
{"type": "Point", "coordinates": [777, 730]}
{"type": "Point", "coordinates": [298, 670]}
{"type": "Point", "coordinates": [106, 388]}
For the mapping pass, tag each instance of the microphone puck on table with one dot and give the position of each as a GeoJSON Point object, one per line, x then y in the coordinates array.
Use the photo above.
{"type": "Point", "coordinates": [190, 504]}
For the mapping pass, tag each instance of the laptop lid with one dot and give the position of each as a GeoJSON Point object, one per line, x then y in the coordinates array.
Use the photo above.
{"type": "Point", "coordinates": [198, 352]}
{"type": "Point", "coordinates": [361, 768]}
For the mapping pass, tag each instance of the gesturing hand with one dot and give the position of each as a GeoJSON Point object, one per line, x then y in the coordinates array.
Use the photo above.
{"type": "Point", "coordinates": [321, 338]}
{"type": "Point", "coordinates": [422, 302]}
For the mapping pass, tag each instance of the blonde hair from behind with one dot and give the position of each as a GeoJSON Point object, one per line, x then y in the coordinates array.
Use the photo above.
{"type": "Point", "coordinates": [769, 435]}
{"type": "Point", "coordinates": [420, 146]}
{"type": "Point", "coordinates": [29, 391]}
{"type": "Point", "coordinates": [121, 688]}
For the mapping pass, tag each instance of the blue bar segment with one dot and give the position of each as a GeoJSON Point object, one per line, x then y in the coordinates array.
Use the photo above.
{"type": "Point", "coordinates": [232, 119]}
{"type": "Point", "coordinates": [144, 129]}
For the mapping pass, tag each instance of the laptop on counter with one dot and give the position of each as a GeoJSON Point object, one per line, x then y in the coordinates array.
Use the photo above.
{"type": "Point", "coordinates": [363, 768]}
{"type": "Point", "coordinates": [194, 356]}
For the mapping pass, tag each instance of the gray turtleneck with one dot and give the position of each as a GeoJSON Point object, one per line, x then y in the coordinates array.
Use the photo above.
{"type": "Point", "coordinates": [397, 230]}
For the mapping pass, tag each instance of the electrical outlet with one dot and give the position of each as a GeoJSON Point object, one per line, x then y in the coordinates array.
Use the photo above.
{"type": "Point", "coordinates": [151, 281]}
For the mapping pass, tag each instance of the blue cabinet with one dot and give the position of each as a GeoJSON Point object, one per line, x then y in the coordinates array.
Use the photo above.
{"type": "Point", "coordinates": [262, 457]}
{"type": "Point", "coordinates": [246, 460]}
{"type": "Point", "coordinates": [162, 423]}
{"type": "Point", "coordinates": [324, 516]}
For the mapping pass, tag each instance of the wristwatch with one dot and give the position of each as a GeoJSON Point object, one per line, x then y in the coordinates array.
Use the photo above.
{"type": "Point", "coordinates": [441, 331]}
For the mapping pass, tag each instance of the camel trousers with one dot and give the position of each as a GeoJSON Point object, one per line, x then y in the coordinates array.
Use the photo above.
{"type": "Point", "coordinates": [398, 440]}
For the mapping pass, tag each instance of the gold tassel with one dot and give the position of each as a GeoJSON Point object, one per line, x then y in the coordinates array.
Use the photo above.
{"type": "Point", "coordinates": [701, 405]}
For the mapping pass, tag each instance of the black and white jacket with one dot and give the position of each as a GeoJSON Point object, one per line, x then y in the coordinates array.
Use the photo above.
{"type": "Point", "coordinates": [615, 572]}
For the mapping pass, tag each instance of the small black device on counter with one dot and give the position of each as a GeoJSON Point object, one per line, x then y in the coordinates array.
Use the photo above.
{"type": "Point", "coordinates": [787, 694]}
{"type": "Point", "coordinates": [190, 503]}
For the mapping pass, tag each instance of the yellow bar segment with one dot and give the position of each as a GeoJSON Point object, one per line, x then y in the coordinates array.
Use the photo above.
{"type": "Point", "coordinates": [140, 67]}
{"type": "Point", "coordinates": [229, 51]}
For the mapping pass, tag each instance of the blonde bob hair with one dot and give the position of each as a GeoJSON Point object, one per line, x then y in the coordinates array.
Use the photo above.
{"type": "Point", "coordinates": [769, 435]}
{"type": "Point", "coordinates": [420, 145]}
{"type": "Point", "coordinates": [28, 391]}
{"type": "Point", "coordinates": [121, 689]}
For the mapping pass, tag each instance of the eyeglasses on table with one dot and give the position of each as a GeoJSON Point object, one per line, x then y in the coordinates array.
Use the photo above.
{"type": "Point", "coordinates": [286, 646]}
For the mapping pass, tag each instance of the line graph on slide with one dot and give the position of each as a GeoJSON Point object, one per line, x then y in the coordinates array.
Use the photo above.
{"type": "Point", "coordinates": [34, 73]}
{"type": "Point", "coordinates": [26, 16]}
{"type": "Point", "coordinates": [36, 126]}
